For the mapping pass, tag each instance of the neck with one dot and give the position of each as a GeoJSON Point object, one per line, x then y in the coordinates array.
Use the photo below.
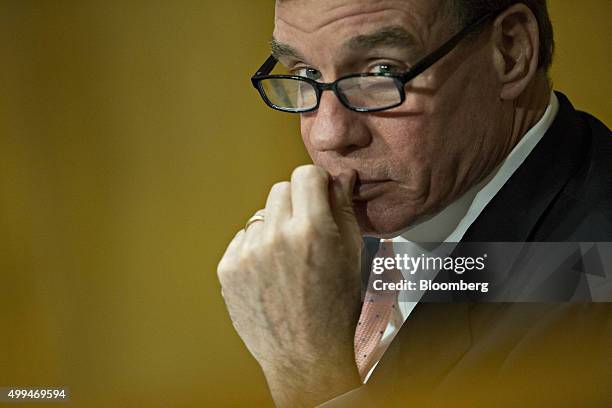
{"type": "Point", "coordinates": [530, 106]}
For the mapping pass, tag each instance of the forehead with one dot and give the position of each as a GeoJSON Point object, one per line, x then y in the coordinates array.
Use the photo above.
{"type": "Point", "coordinates": [336, 19]}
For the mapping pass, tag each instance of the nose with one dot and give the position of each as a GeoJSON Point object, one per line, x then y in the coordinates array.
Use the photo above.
{"type": "Point", "coordinates": [333, 127]}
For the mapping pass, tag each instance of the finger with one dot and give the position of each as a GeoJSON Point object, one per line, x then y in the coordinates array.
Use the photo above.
{"type": "Point", "coordinates": [254, 229]}
{"type": "Point", "coordinates": [309, 192]}
{"type": "Point", "coordinates": [278, 205]}
{"type": "Point", "coordinates": [231, 253]}
{"type": "Point", "coordinates": [342, 209]}
{"type": "Point", "coordinates": [235, 243]}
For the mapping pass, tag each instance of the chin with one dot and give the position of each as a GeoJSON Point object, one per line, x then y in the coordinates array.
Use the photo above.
{"type": "Point", "coordinates": [383, 220]}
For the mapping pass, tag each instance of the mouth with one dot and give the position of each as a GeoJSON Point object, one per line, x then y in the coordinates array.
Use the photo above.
{"type": "Point", "coordinates": [366, 189]}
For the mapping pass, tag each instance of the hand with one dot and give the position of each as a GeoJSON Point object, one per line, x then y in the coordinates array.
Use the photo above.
{"type": "Point", "coordinates": [292, 287]}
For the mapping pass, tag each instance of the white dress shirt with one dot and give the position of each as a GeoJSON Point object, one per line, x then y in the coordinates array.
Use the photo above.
{"type": "Point", "coordinates": [450, 224]}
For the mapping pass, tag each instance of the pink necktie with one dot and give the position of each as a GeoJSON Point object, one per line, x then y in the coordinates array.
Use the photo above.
{"type": "Point", "coordinates": [377, 310]}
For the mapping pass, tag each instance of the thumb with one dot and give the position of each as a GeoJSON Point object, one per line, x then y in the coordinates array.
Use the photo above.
{"type": "Point", "coordinates": [343, 212]}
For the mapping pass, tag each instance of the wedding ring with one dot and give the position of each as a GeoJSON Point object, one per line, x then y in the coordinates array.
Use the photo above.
{"type": "Point", "coordinates": [253, 219]}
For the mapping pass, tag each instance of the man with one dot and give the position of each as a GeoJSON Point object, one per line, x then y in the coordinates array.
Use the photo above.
{"type": "Point", "coordinates": [453, 134]}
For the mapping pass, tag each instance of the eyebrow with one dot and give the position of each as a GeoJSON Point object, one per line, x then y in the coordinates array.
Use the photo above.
{"type": "Point", "coordinates": [390, 36]}
{"type": "Point", "coordinates": [280, 50]}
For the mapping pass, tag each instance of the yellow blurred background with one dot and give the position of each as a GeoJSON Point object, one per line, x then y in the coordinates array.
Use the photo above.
{"type": "Point", "coordinates": [132, 148]}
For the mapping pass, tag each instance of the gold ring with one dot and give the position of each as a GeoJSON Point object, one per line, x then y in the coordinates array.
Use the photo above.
{"type": "Point", "coordinates": [253, 219]}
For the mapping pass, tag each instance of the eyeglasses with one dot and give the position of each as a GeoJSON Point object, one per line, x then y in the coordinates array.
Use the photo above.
{"type": "Point", "coordinates": [368, 92]}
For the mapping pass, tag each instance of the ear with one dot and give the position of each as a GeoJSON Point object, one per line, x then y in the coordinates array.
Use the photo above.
{"type": "Point", "coordinates": [516, 45]}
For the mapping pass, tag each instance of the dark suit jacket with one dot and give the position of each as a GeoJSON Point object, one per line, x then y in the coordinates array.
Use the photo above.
{"type": "Point", "coordinates": [516, 354]}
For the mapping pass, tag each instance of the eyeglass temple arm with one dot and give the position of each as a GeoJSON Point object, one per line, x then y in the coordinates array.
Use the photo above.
{"type": "Point", "coordinates": [267, 66]}
{"type": "Point", "coordinates": [265, 69]}
{"type": "Point", "coordinates": [443, 50]}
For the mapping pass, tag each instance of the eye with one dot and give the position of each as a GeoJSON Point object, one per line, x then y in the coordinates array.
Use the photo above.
{"type": "Point", "coordinates": [386, 69]}
{"type": "Point", "coordinates": [310, 73]}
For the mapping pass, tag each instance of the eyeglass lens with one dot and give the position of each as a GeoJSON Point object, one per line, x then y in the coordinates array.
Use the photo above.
{"type": "Point", "coordinates": [363, 92]}
{"type": "Point", "coordinates": [290, 93]}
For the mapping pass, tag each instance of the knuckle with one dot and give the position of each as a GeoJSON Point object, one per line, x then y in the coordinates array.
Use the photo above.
{"type": "Point", "coordinates": [245, 257]}
{"type": "Point", "coordinates": [230, 267]}
{"type": "Point", "coordinates": [308, 230]}
{"type": "Point", "coordinates": [270, 242]}
{"type": "Point", "coordinates": [308, 171]}
{"type": "Point", "coordinates": [271, 239]}
{"type": "Point", "coordinates": [280, 187]}
{"type": "Point", "coordinates": [267, 247]}
{"type": "Point", "coordinates": [225, 269]}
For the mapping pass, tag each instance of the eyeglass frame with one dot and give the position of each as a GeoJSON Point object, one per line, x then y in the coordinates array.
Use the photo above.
{"type": "Point", "coordinates": [400, 79]}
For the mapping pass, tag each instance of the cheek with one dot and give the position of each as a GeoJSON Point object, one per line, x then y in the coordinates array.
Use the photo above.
{"type": "Point", "coordinates": [306, 122]}
{"type": "Point", "coordinates": [304, 130]}
{"type": "Point", "coordinates": [410, 148]}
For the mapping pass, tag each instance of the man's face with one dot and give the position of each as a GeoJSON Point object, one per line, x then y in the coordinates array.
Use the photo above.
{"type": "Point", "coordinates": [415, 159]}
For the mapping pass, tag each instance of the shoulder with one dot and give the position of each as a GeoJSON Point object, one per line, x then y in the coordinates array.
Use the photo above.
{"type": "Point", "coordinates": [583, 208]}
{"type": "Point", "coordinates": [592, 183]}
